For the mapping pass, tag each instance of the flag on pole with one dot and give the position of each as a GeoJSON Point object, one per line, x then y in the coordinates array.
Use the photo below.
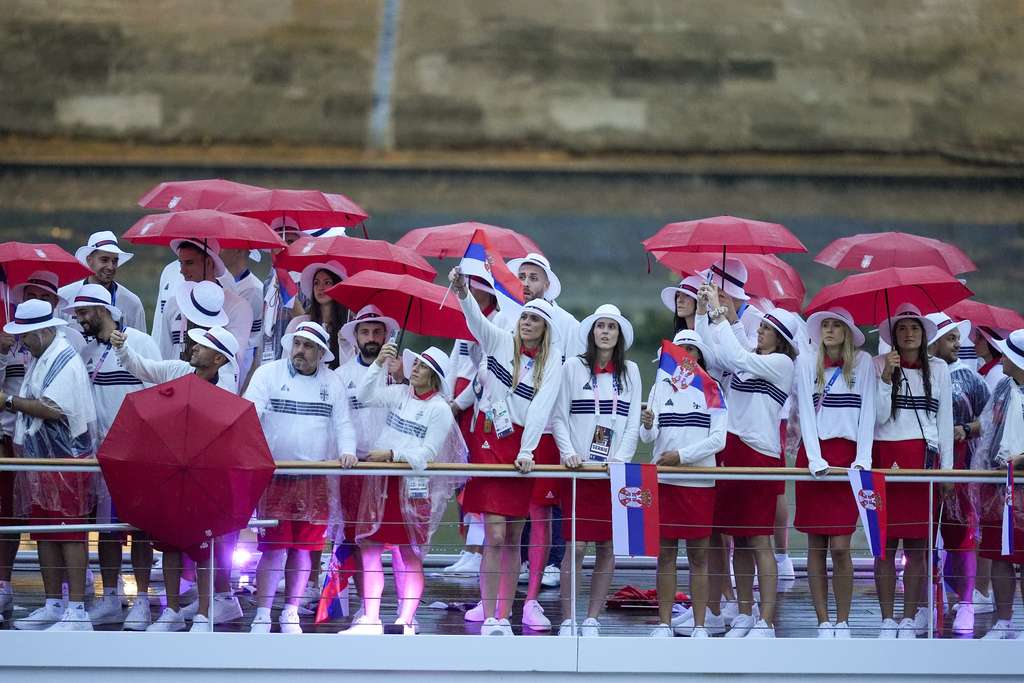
{"type": "Point", "coordinates": [634, 492]}
{"type": "Point", "coordinates": [869, 492]}
{"type": "Point", "coordinates": [342, 566]}
{"type": "Point", "coordinates": [676, 367]}
{"type": "Point", "coordinates": [483, 261]}
{"type": "Point", "coordinates": [286, 286]}
{"type": "Point", "coordinates": [1008, 513]}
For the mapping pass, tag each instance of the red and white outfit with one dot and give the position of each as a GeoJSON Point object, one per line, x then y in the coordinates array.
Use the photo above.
{"type": "Point", "coordinates": [589, 398]}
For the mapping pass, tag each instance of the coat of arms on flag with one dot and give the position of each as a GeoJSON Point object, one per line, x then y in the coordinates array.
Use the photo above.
{"type": "Point", "coordinates": [869, 493]}
{"type": "Point", "coordinates": [634, 493]}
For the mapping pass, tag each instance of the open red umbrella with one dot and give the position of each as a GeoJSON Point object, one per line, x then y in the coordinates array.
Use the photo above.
{"type": "Point", "coordinates": [768, 276]}
{"type": "Point", "coordinates": [308, 208]}
{"type": "Point", "coordinates": [874, 251]}
{"type": "Point", "coordinates": [720, 233]}
{"type": "Point", "coordinates": [18, 260]}
{"type": "Point", "coordinates": [870, 297]}
{"type": "Point", "coordinates": [230, 231]}
{"type": "Point", "coordinates": [355, 255]}
{"type": "Point", "coordinates": [450, 241]}
{"type": "Point", "coordinates": [986, 315]}
{"type": "Point", "coordinates": [185, 195]}
{"type": "Point", "coordinates": [415, 303]}
{"type": "Point", "coordinates": [186, 461]}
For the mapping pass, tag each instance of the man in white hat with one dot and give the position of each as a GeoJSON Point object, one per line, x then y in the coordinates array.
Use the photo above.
{"type": "Point", "coordinates": [304, 409]}
{"type": "Point", "coordinates": [42, 285]}
{"type": "Point", "coordinates": [92, 307]}
{"type": "Point", "coordinates": [250, 288]}
{"type": "Point", "coordinates": [103, 257]}
{"type": "Point", "coordinates": [279, 308]}
{"type": "Point", "coordinates": [56, 418]}
{"type": "Point", "coordinates": [540, 282]}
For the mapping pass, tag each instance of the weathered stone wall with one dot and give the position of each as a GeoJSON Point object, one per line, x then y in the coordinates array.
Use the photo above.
{"type": "Point", "coordinates": [657, 75]}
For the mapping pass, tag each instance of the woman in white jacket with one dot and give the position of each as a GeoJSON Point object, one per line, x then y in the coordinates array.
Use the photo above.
{"type": "Point", "coordinates": [835, 386]}
{"type": "Point", "coordinates": [596, 421]}
{"type": "Point", "coordinates": [685, 432]}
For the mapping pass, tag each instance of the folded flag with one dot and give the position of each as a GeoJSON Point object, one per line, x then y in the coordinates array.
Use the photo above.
{"type": "Point", "coordinates": [869, 492]}
{"type": "Point", "coordinates": [634, 493]}
{"type": "Point", "coordinates": [341, 567]}
{"type": "Point", "coordinates": [1008, 513]}
{"type": "Point", "coordinates": [676, 367]}
{"type": "Point", "coordinates": [483, 261]}
{"type": "Point", "coordinates": [286, 286]}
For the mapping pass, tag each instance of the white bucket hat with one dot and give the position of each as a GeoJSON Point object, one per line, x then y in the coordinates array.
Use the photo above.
{"type": "Point", "coordinates": [532, 259]}
{"type": "Point", "coordinates": [787, 324]}
{"type": "Point", "coordinates": [839, 313]}
{"type": "Point", "coordinates": [32, 315]}
{"type": "Point", "coordinates": [368, 314]}
{"type": "Point", "coordinates": [610, 311]}
{"type": "Point", "coordinates": [693, 338]}
{"type": "Point", "coordinates": [218, 339]}
{"type": "Point", "coordinates": [990, 334]}
{"type": "Point", "coordinates": [309, 273]}
{"type": "Point", "coordinates": [43, 279]}
{"type": "Point", "coordinates": [732, 280]}
{"type": "Point", "coordinates": [211, 249]}
{"type": "Point", "coordinates": [313, 332]}
{"type": "Point", "coordinates": [202, 303]}
{"type": "Point", "coordinates": [93, 295]}
{"type": "Point", "coordinates": [944, 325]}
{"type": "Point", "coordinates": [688, 286]}
{"type": "Point", "coordinates": [325, 232]}
{"type": "Point", "coordinates": [433, 357]}
{"type": "Point", "coordinates": [103, 240]}
{"type": "Point", "coordinates": [546, 311]}
{"type": "Point", "coordinates": [1012, 347]}
{"type": "Point", "coordinates": [903, 312]}
{"type": "Point", "coordinates": [283, 225]}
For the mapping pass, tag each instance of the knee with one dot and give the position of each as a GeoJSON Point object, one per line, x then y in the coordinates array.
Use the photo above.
{"type": "Point", "coordinates": [495, 538]}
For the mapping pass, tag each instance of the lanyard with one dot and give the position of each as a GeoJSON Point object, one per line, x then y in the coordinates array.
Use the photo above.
{"type": "Point", "coordinates": [99, 364]}
{"type": "Point", "coordinates": [824, 393]}
{"type": "Point", "coordinates": [597, 397]}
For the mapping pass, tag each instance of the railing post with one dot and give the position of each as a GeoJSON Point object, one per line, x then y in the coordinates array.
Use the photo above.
{"type": "Point", "coordinates": [931, 560]}
{"type": "Point", "coordinates": [213, 574]}
{"type": "Point", "coordinates": [572, 574]}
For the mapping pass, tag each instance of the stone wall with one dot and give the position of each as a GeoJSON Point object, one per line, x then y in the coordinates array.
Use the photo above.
{"type": "Point", "coordinates": [610, 75]}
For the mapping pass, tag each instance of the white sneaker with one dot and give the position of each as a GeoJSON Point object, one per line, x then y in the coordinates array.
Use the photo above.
{"type": "Point", "coordinates": [842, 631]}
{"type": "Point", "coordinates": [492, 627]}
{"type": "Point", "coordinates": [590, 628]}
{"type": "Point", "coordinates": [826, 630]}
{"type": "Point", "coordinates": [741, 626]}
{"type": "Point", "coordinates": [169, 620]}
{"type": "Point", "coordinates": [908, 630]}
{"type": "Point", "coordinates": [762, 630]}
{"type": "Point", "coordinates": [6, 597]}
{"type": "Point", "coordinates": [42, 618]}
{"type": "Point", "coordinates": [713, 623]}
{"type": "Point", "coordinates": [471, 567]}
{"type": "Point", "coordinates": [408, 629]}
{"type": "Point", "coordinates": [200, 625]}
{"type": "Point", "coordinates": [533, 616]}
{"type": "Point", "coordinates": [730, 611]}
{"type": "Point", "coordinates": [889, 630]}
{"type": "Point", "coordinates": [309, 601]}
{"type": "Point", "coordinates": [700, 632]}
{"type": "Point", "coordinates": [106, 610]}
{"type": "Point", "coordinates": [73, 619]}
{"type": "Point", "coordinates": [684, 618]}
{"type": "Point", "coordinates": [524, 572]}
{"type": "Point", "coordinates": [552, 577]}
{"type": "Point", "coordinates": [260, 623]}
{"type": "Point", "coordinates": [288, 621]}
{"type": "Point", "coordinates": [565, 630]}
{"type": "Point", "coordinates": [1001, 630]}
{"type": "Point", "coordinates": [963, 623]}
{"type": "Point", "coordinates": [139, 616]}
{"type": "Point", "coordinates": [984, 604]}
{"type": "Point", "coordinates": [662, 631]}
{"type": "Point", "coordinates": [364, 627]}
{"type": "Point", "coordinates": [921, 621]}
{"type": "Point", "coordinates": [225, 608]}
{"type": "Point", "coordinates": [475, 613]}
{"type": "Point", "coordinates": [785, 568]}
{"type": "Point", "coordinates": [456, 566]}
{"type": "Point", "coordinates": [506, 627]}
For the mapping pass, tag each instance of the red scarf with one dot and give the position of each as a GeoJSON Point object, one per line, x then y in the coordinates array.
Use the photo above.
{"type": "Point", "coordinates": [829, 363]}
{"type": "Point", "coordinates": [608, 367]}
{"type": "Point", "coordinates": [424, 397]}
{"type": "Point", "coordinates": [529, 353]}
{"type": "Point", "coordinates": [984, 369]}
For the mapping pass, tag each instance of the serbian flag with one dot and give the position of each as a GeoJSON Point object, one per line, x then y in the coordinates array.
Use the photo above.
{"type": "Point", "coordinates": [341, 567]}
{"type": "Point", "coordinates": [483, 261]}
{"type": "Point", "coordinates": [286, 286]}
{"type": "Point", "coordinates": [869, 492]}
{"type": "Point", "coordinates": [680, 370]}
{"type": "Point", "coordinates": [634, 491]}
{"type": "Point", "coordinates": [1008, 512]}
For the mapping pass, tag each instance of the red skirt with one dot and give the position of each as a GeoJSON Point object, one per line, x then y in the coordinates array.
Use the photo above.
{"type": "Point", "coordinates": [292, 534]}
{"type": "Point", "coordinates": [593, 510]}
{"type": "Point", "coordinates": [991, 546]}
{"type": "Point", "coordinates": [686, 512]}
{"type": "Point", "coordinates": [545, 491]}
{"type": "Point", "coordinates": [392, 529]}
{"type": "Point", "coordinates": [746, 508]}
{"type": "Point", "coordinates": [959, 532]}
{"type": "Point", "coordinates": [508, 497]}
{"type": "Point", "coordinates": [908, 503]}
{"type": "Point", "coordinates": [827, 508]}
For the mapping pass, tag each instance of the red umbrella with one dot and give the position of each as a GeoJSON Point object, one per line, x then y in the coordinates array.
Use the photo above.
{"type": "Point", "coordinates": [986, 315]}
{"type": "Point", "coordinates": [308, 208]}
{"type": "Point", "coordinates": [403, 297]}
{"type": "Point", "coordinates": [185, 195]}
{"type": "Point", "coordinates": [186, 461]}
{"type": "Point", "coordinates": [874, 251]}
{"type": "Point", "coordinates": [767, 274]}
{"type": "Point", "coordinates": [356, 255]}
{"type": "Point", "coordinates": [450, 241]}
{"type": "Point", "coordinates": [738, 235]}
{"type": "Point", "coordinates": [18, 260]}
{"type": "Point", "coordinates": [230, 231]}
{"type": "Point", "coordinates": [867, 296]}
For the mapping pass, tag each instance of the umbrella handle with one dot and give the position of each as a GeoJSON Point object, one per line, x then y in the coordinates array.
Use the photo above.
{"type": "Point", "coordinates": [401, 332]}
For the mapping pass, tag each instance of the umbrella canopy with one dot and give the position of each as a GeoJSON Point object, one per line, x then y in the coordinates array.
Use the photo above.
{"type": "Point", "coordinates": [768, 276]}
{"type": "Point", "coordinates": [986, 315]}
{"type": "Point", "coordinates": [414, 302]}
{"type": "Point", "coordinates": [355, 255]}
{"type": "Point", "coordinates": [451, 241]}
{"type": "Point", "coordinates": [230, 231]}
{"type": "Point", "coordinates": [721, 233]}
{"type": "Point", "coordinates": [874, 251]}
{"type": "Point", "coordinates": [870, 297]}
{"type": "Point", "coordinates": [185, 195]}
{"type": "Point", "coordinates": [186, 461]}
{"type": "Point", "coordinates": [18, 260]}
{"type": "Point", "coordinates": [308, 208]}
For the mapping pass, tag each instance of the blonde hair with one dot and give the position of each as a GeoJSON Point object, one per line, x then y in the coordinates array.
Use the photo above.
{"type": "Point", "coordinates": [539, 362]}
{"type": "Point", "coordinates": [847, 355]}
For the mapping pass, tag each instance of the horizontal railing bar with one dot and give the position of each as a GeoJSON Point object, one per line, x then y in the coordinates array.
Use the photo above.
{"type": "Point", "coordinates": [80, 528]}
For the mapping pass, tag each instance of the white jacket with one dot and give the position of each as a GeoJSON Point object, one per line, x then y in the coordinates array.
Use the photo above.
{"type": "Point", "coordinates": [935, 415]}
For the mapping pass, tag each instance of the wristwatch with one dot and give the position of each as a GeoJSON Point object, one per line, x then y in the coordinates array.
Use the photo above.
{"type": "Point", "coordinates": [9, 403]}
{"type": "Point", "coordinates": [967, 429]}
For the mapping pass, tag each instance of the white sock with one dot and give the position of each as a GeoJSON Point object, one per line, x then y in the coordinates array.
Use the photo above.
{"type": "Point", "coordinates": [290, 609]}
{"type": "Point", "coordinates": [76, 605]}
{"type": "Point", "coordinates": [263, 613]}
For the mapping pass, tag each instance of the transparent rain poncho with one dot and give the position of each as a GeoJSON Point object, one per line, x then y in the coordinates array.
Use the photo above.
{"type": "Point", "coordinates": [1002, 441]}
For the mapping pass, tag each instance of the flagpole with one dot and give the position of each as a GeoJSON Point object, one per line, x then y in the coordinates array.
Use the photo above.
{"type": "Point", "coordinates": [572, 580]}
{"type": "Point", "coordinates": [931, 560]}
{"type": "Point", "coordinates": [445, 297]}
